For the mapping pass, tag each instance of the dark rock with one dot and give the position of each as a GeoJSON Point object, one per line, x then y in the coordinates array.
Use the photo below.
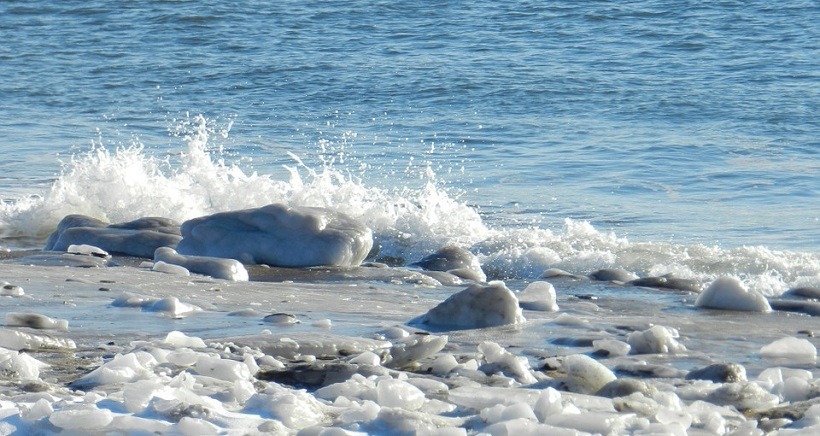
{"type": "Point", "coordinates": [719, 373]}
{"type": "Point", "coordinates": [613, 275]}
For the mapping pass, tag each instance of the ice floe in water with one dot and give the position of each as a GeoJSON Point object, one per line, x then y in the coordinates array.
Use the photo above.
{"type": "Point", "coordinates": [228, 269]}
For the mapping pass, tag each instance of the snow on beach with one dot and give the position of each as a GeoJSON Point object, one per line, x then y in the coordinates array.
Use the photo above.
{"type": "Point", "coordinates": [119, 345]}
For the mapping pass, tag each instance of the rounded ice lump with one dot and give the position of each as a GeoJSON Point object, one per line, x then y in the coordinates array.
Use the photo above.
{"type": "Point", "coordinates": [279, 235]}
{"type": "Point", "coordinates": [476, 307]}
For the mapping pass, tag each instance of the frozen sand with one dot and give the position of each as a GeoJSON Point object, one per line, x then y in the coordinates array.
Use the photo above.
{"type": "Point", "coordinates": [362, 374]}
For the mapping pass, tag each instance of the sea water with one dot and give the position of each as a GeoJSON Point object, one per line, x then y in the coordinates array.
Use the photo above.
{"type": "Point", "coordinates": [654, 136]}
{"type": "Point", "coordinates": [658, 137]}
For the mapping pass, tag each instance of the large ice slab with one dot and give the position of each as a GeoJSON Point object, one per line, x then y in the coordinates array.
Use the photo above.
{"type": "Point", "coordinates": [279, 235]}
{"type": "Point", "coordinates": [138, 238]}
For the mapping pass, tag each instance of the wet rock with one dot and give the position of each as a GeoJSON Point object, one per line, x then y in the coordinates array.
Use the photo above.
{"type": "Point", "coordinates": [623, 387]}
{"type": "Point", "coordinates": [719, 373]}
{"type": "Point", "coordinates": [613, 275]}
{"type": "Point", "coordinates": [456, 260]}
{"type": "Point", "coordinates": [668, 282]}
{"type": "Point", "coordinates": [808, 307]}
{"type": "Point", "coordinates": [810, 292]}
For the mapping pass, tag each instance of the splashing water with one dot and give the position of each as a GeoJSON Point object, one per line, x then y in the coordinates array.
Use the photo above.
{"type": "Point", "coordinates": [127, 183]}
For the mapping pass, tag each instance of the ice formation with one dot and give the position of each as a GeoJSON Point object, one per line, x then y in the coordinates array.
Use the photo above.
{"type": "Point", "coordinates": [728, 293]}
{"type": "Point", "coordinates": [790, 347]}
{"type": "Point", "coordinates": [228, 269]}
{"type": "Point", "coordinates": [476, 307]}
{"type": "Point", "coordinates": [538, 296]}
{"type": "Point", "coordinates": [135, 238]}
{"type": "Point", "coordinates": [656, 339]}
{"type": "Point", "coordinates": [35, 321]}
{"type": "Point", "coordinates": [279, 235]}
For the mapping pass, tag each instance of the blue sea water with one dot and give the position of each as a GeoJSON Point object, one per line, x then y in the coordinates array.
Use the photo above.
{"type": "Point", "coordinates": [656, 136]}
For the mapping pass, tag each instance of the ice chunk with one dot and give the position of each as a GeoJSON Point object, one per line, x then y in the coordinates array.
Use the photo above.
{"type": "Point", "coordinates": [88, 250]}
{"type": "Point", "coordinates": [35, 321]}
{"type": "Point", "coordinates": [719, 373]}
{"type": "Point", "coordinates": [476, 307]}
{"type": "Point", "coordinates": [397, 393]}
{"type": "Point", "coordinates": [613, 275]}
{"type": "Point", "coordinates": [538, 296]}
{"type": "Point", "coordinates": [122, 368]}
{"type": "Point", "coordinates": [367, 358]}
{"type": "Point", "coordinates": [196, 427]}
{"type": "Point", "coordinates": [228, 269]}
{"type": "Point", "coordinates": [515, 366]}
{"type": "Point", "coordinates": [136, 238]}
{"type": "Point", "coordinates": [282, 318]}
{"type": "Point", "coordinates": [279, 235]}
{"type": "Point", "coordinates": [295, 409]}
{"type": "Point", "coordinates": [223, 369]}
{"type": "Point", "coordinates": [170, 268]}
{"type": "Point", "coordinates": [548, 404]}
{"type": "Point", "coordinates": [413, 348]}
{"type": "Point", "coordinates": [790, 347]}
{"type": "Point", "coordinates": [85, 418]}
{"type": "Point", "coordinates": [728, 293]}
{"type": "Point", "coordinates": [22, 365]}
{"type": "Point", "coordinates": [587, 371]}
{"type": "Point", "coordinates": [444, 364]}
{"type": "Point", "coordinates": [178, 339]}
{"type": "Point", "coordinates": [8, 290]}
{"type": "Point", "coordinates": [612, 347]}
{"type": "Point", "coordinates": [656, 339]}
{"type": "Point", "coordinates": [17, 340]}
{"type": "Point", "coordinates": [456, 260]}
{"type": "Point", "coordinates": [169, 306]}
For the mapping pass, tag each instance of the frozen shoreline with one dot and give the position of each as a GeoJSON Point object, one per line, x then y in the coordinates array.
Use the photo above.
{"type": "Point", "coordinates": [368, 304]}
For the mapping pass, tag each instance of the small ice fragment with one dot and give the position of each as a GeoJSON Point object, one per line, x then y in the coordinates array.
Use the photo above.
{"type": "Point", "coordinates": [413, 348]}
{"type": "Point", "coordinates": [228, 269]}
{"type": "Point", "coordinates": [587, 371]}
{"type": "Point", "coordinates": [394, 333]}
{"type": "Point", "coordinates": [88, 250]}
{"type": "Point", "coordinates": [476, 307]}
{"type": "Point", "coordinates": [170, 269]}
{"type": "Point", "coordinates": [323, 323]}
{"type": "Point", "coordinates": [514, 366]}
{"type": "Point", "coordinates": [367, 358]}
{"type": "Point", "coordinates": [443, 364]}
{"type": "Point", "coordinates": [790, 347]}
{"type": "Point", "coordinates": [178, 339]}
{"type": "Point", "coordinates": [282, 319]}
{"type": "Point", "coordinates": [39, 410]}
{"type": "Point", "coordinates": [455, 260]}
{"type": "Point", "coordinates": [35, 321]}
{"type": "Point", "coordinates": [21, 365]}
{"type": "Point", "coordinates": [82, 418]}
{"type": "Point", "coordinates": [548, 404]}
{"type": "Point", "coordinates": [11, 291]}
{"type": "Point", "coordinates": [728, 293]}
{"type": "Point", "coordinates": [397, 393]}
{"type": "Point", "coordinates": [538, 296]}
{"type": "Point", "coordinates": [223, 369]}
{"type": "Point", "coordinates": [146, 264]}
{"type": "Point", "coordinates": [196, 427]}
{"type": "Point", "coordinates": [612, 347]}
{"type": "Point", "coordinates": [183, 357]}
{"type": "Point", "coordinates": [656, 339]}
{"type": "Point", "coordinates": [17, 340]}
{"type": "Point", "coordinates": [172, 307]}
{"type": "Point", "coordinates": [121, 369]}
{"type": "Point", "coordinates": [568, 320]}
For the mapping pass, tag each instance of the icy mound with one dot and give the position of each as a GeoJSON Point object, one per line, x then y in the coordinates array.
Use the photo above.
{"type": "Point", "coordinates": [228, 269]}
{"type": "Point", "coordinates": [728, 293]}
{"type": "Point", "coordinates": [135, 238]}
{"type": "Point", "coordinates": [476, 307]}
{"type": "Point", "coordinates": [657, 339]}
{"type": "Point", "coordinates": [538, 296]}
{"type": "Point", "coordinates": [279, 235]}
{"type": "Point", "coordinates": [790, 347]}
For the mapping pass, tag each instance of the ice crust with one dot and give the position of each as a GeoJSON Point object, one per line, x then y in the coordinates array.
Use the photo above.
{"type": "Point", "coordinates": [279, 235]}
